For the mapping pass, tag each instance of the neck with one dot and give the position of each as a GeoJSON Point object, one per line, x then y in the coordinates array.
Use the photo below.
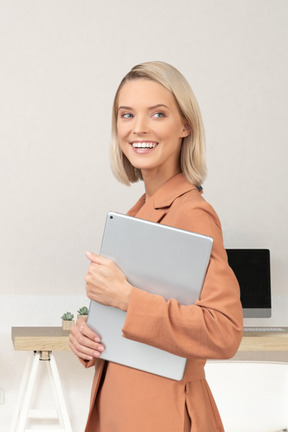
{"type": "Point", "coordinates": [153, 182]}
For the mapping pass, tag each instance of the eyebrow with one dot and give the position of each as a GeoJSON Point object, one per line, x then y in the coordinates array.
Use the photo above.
{"type": "Point", "coordinates": [150, 108]}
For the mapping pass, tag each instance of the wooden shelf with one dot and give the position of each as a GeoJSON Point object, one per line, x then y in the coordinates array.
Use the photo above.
{"type": "Point", "coordinates": [40, 339]}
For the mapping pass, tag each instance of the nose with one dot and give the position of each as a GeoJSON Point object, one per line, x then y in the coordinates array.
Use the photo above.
{"type": "Point", "coordinates": [140, 125]}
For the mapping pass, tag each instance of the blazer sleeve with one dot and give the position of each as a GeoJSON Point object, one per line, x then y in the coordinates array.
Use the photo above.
{"type": "Point", "coordinates": [88, 363]}
{"type": "Point", "coordinates": [210, 328]}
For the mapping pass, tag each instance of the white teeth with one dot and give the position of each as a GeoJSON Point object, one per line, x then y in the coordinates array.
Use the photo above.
{"type": "Point", "coordinates": [144, 145]}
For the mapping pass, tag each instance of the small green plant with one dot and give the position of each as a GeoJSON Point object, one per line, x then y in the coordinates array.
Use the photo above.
{"type": "Point", "coordinates": [83, 310]}
{"type": "Point", "coordinates": [67, 316]}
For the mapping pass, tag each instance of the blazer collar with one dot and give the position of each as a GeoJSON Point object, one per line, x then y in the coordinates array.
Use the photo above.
{"type": "Point", "coordinates": [157, 205]}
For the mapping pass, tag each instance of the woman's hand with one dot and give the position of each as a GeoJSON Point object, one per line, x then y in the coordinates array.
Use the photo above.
{"type": "Point", "coordinates": [84, 342]}
{"type": "Point", "coordinates": [106, 283]}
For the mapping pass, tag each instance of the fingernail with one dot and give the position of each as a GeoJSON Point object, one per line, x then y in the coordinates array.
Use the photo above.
{"type": "Point", "coordinates": [100, 348]}
{"type": "Point", "coordinates": [97, 339]}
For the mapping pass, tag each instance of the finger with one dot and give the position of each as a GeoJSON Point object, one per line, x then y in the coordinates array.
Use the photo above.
{"type": "Point", "coordinates": [79, 352]}
{"type": "Point", "coordinates": [84, 352]}
{"type": "Point", "coordinates": [80, 339]}
{"type": "Point", "coordinates": [84, 347]}
{"type": "Point", "coordinates": [97, 259]}
{"type": "Point", "coordinates": [85, 330]}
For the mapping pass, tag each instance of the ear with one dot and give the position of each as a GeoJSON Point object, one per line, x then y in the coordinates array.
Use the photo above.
{"type": "Point", "coordinates": [186, 130]}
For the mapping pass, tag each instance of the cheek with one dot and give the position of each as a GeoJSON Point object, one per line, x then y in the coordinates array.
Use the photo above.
{"type": "Point", "coordinates": [118, 129]}
{"type": "Point", "coordinates": [122, 148]}
{"type": "Point", "coordinates": [122, 130]}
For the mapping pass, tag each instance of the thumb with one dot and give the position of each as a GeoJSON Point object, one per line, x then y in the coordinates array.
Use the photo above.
{"type": "Point", "coordinates": [91, 256]}
{"type": "Point", "coordinates": [96, 259]}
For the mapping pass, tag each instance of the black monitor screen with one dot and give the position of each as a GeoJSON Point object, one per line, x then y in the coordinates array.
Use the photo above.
{"type": "Point", "coordinates": [252, 269]}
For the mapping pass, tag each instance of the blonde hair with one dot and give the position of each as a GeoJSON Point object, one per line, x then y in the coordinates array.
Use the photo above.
{"type": "Point", "coordinates": [192, 158]}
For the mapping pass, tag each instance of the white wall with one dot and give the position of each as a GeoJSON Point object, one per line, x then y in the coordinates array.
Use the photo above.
{"type": "Point", "coordinates": [61, 61]}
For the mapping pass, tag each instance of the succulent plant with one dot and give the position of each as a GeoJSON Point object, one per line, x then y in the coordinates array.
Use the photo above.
{"type": "Point", "coordinates": [67, 316]}
{"type": "Point", "coordinates": [83, 310]}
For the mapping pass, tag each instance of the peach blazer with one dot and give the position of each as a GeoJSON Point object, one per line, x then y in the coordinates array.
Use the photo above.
{"type": "Point", "coordinates": [132, 400]}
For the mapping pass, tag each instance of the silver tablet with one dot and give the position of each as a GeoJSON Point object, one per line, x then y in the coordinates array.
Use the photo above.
{"type": "Point", "coordinates": [161, 260]}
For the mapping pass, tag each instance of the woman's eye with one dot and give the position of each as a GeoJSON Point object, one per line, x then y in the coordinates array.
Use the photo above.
{"type": "Point", "coordinates": [126, 115]}
{"type": "Point", "coordinates": [158, 115]}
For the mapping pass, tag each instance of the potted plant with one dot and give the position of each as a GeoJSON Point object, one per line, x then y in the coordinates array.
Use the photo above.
{"type": "Point", "coordinates": [67, 320]}
{"type": "Point", "coordinates": [82, 312]}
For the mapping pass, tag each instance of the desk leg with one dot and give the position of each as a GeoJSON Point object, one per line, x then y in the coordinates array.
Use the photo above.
{"type": "Point", "coordinates": [25, 394]}
{"type": "Point", "coordinates": [26, 390]}
{"type": "Point", "coordinates": [59, 393]}
{"type": "Point", "coordinates": [20, 396]}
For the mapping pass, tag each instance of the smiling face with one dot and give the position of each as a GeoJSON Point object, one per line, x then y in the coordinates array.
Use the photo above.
{"type": "Point", "coordinates": [150, 128]}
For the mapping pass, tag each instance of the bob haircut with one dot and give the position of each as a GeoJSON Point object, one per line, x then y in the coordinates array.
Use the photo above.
{"type": "Point", "coordinates": [192, 158]}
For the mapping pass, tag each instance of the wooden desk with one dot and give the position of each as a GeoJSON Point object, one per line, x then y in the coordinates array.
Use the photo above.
{"type": "Point", "coordinates": [42, 341]}
{"type": "Point", "coordinates": [264, 341]}
{"type": "Point", "coordinates": [47, 339]}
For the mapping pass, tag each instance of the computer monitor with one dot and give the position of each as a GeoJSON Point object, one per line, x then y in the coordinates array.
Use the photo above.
{"type": "Point", "coordinates": [252, 269]}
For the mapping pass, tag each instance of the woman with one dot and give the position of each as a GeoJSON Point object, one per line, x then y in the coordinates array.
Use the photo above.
{"type": "Point", "coordinates": [158, 137]}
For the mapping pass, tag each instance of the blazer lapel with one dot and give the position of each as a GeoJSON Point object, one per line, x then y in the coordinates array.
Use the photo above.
{"type": "Point", "coordinates": [150, 213]}
{"type": "Point", "coordinates": [146, 210]}
{"type": "Point", "coordinates": [158, 205]}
